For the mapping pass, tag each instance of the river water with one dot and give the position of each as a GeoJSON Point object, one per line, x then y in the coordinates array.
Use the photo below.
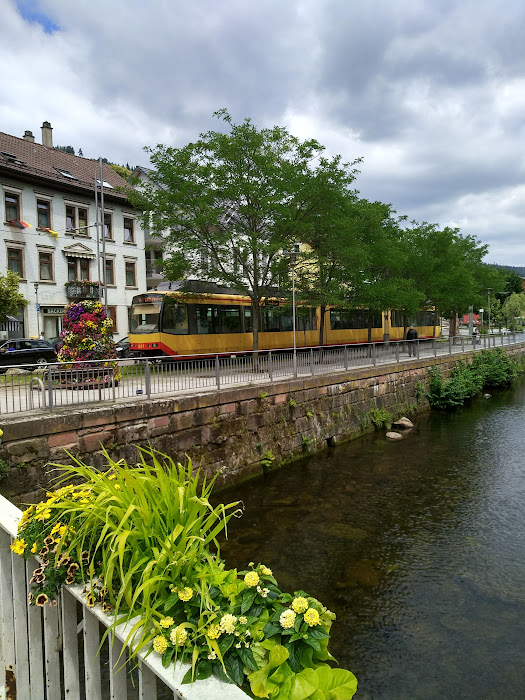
{"type": "Point", "coordinates": [418, 546]}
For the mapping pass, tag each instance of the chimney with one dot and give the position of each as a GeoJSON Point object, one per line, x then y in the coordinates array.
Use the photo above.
{"type": "Point", "coordinates": [47, 135]}
{"type": "Point", "coordinates": [28, 136]}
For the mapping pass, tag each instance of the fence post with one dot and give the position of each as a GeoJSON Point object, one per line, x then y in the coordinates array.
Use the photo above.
{"type": "Point", "coordinates": [217, 372]}
{"type": "Point", "coordinates": [312, 371]}
{"type": "Point", "coordinates": [434, 347]}
{"type": "Point", "coordinates": [147, 379]}
{"type": "Point", "coordinates": [50, 388]}
{"type": "Point", "coordinates": [462, 344]}
{"type": "Point", "coordinates": [346, 356]}
{"type": "Point", "coordinates": [417, 349]}
{"type": "Point", "coordinates": [270, 367]}
{"type": "Point", "coordinates": [374, 358]}
{"type": "Point", "coordinates": [397, 351]}
{"type": "Point", "coordinates": [449, 345]}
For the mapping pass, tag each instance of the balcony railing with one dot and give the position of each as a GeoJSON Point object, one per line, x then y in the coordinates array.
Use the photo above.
{"type": "Point", "coordinates": [54, 653]}
{"type": "Point", "coordinates": [82, 290]}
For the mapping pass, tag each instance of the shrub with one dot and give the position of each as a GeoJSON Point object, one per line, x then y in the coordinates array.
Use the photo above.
{"type": "Point", "coordinates": [144, 542]}
{"type": "Point", "coordinates": [379, 417]}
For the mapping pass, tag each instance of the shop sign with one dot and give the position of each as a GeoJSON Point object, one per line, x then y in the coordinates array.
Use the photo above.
{"type": "Point", "coordinates": [53, 310]}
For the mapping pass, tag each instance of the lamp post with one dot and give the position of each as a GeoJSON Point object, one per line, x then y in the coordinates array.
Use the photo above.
{"type": "Point", "coordinates": [293, 262]}
{"type": "Point", "coordinates": [37, 309]}
{"type": "Point", "coordinates": [488, 310]}
{"type": "Point", "coordinates": [481, 314]}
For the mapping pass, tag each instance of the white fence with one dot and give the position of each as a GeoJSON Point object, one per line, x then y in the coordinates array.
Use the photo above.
{"type": "Point", "coordinates": [57, 386]}
{"type": "Point", "coordinates": [53, 653]}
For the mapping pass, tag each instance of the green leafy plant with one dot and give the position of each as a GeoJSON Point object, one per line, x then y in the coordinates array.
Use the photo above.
{"type": "Point", "coordinates": [267, 459]}
{"type": "Point", "coordinates": [262, 395]}
{"type": "Point", "coordinates": [420, 391]}
{"type": "Point", "coordinates": [490, 368]}
{"type": "Point", "coordinates": [4, 469]}
{"type": "Point", "coordinates": [309, 413]}
{"type": "Point", "coordinates": [292, 403]}
{"type": "Point", "coordinates": [143, 542]}
{"type": "Point", "coordinates": [306, 442]}
{"type": "Point", "coordinates": [379, 417]}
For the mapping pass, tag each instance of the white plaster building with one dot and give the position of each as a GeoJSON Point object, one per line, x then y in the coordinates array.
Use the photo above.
{"type": "Point", "coordinates": [53, 192]}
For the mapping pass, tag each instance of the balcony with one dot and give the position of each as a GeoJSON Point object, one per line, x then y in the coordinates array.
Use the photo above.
{"type": "Point", "coordinates": [82, 289]}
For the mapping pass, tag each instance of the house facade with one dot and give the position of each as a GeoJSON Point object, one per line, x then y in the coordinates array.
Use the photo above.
{"type": "Point", "coordinates": [49, 235]}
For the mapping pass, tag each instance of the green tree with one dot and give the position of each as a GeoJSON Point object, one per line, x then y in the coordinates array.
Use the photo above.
{"type": "Point", "coordinates": [11, 300]}
{"type": "Point", "coordinates": [513, 308]}
{"type": "Point", "coordinates": [233, 202]}
{"type": "Point", "coordinates": [448, 269]}
{"type": "Point", "coordinates": [120, 170]}
{"type": "Point", "coordinates": [65, 149]}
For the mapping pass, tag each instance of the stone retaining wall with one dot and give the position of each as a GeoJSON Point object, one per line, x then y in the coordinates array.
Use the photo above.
{"type": "Point", "coordinates": [229, 430]}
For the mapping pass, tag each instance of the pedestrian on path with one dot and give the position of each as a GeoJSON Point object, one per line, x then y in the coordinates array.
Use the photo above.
{"type": "Point", "coordinates": [411, 337]}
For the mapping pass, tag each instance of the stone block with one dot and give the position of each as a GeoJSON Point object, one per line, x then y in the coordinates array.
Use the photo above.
{"type": "Point", "coordinates": [93, 442]}
{"type": "Point", "coordinates": [280, 398]}
{"type": "Point", "coordinates": [23, 451]}
{"type": "Point", "coordinates": [68, 438]}
{"type": "Point", "coordinates": [98, 417]}
{"type": "Point", "coordinates": [137, 432]}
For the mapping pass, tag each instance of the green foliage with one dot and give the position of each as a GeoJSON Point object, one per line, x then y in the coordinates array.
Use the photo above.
{"type": "Point", "coordinates": [4, 469]}
{"type": "Point", "coordinates": [420, 391]}
{"type": "Point", "coordinates": [309, 413]}
{"type": "Point", "coordinates": [292, 403]}
{"type": "Point", "coordinates": [11, 300]}
{"type": "Point", "coordinates": [143, 541]}
{"type": "Point", "coordinates": [306, 442]}
{"type": "Point", "coordinates": [120, 170]}
{"type": "Point", "coordinates": [379, 418]}
{"type": "Point", "coordinates": [268, 459]}
{"type": "Point", "coordinates": [491, 368]}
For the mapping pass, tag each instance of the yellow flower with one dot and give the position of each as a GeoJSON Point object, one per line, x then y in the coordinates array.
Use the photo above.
{"type": "Point", "coordinates": [287, 619]}
{"type": "Point", "coordinates": [1, 432]}
{"type": "Point", "coordinates": [227, 623]}
{"type": "Point", "coordinates": [166, 622]}
{"type": "Point", "coordinates": [179, 636]}
{"type": "Point", "coordinates": [265, 570]}
{"type": "Point", "coordinates": [18, 546]}
{"type": "Point", "coordinates": [311, 617]}
{"type": "Point", "coordinates": [34, 549]}
{"type": "Point", "coordinates": [299, 605]}
{"type": "Point", "coordinates": [44, 514]}
{"type": "Point", "coordinates": [214, 632]}
{"type": "Point", "coordinates": [186, 594]}
{"type": "Point", "coordinates": [243, 620]}
{"type": "Point", "coordinates": [251, 579]}
{"type": "Point", "coordinates": [160, 644]}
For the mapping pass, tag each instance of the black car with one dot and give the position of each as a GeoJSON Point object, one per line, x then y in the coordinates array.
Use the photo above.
{"type": "Point", "coordinates": [122, 347]}
{"type": "Point", "coordinates": [26, 351]}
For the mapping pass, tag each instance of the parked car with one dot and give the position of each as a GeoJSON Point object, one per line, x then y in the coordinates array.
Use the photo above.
{"type": "Point", "coordinates": [122, 347]}
{"type": "Point", "coordinates": [55, 342]}
{"type": "Point", "coordinates": [26, 351]}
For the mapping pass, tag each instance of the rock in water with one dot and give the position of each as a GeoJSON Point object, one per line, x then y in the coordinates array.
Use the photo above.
{"type": "Point", "coordinates": [403, 423]}
{"type": "Point", "coordinates": [393, 436]}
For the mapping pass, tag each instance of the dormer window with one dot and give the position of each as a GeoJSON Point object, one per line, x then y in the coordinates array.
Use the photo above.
{"type": "Point", "coordinates": [65, 173]}
{"type": "Point", "coordinates": [10, 158]}
{"type": "Point", "coordinates": [106, 184]}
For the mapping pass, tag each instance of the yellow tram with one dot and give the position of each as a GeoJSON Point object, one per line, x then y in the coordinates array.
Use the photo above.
{"type": "Point", "coordinates": [182, 324]}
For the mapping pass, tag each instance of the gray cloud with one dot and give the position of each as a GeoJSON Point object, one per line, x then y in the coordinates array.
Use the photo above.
{"type": "Point", "coordinates": [430, 93]}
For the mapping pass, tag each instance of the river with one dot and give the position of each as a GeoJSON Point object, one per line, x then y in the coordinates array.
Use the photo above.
{"type": "Point", "coordinates": [418, 546]}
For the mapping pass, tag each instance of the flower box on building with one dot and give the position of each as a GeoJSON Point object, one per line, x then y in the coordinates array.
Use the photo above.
{"type": "Point", "coordinates": [82, 289]}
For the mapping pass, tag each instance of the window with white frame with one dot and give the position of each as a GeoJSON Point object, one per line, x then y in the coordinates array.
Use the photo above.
{"type": "Point", "coordinates": [43, 209]}
{"type": "Point", "coordinates": [131, 273]}
{"type": "Point", "coordinates": [77, 269]}
{"type": "Point", "coordinates": [129, 232]}
{"type": "Point", "coordinates": [12, 206]}
{"type": "Point", "coordinates": [108, 226]}
{"type": "Point", "coordinates": [77, 220]}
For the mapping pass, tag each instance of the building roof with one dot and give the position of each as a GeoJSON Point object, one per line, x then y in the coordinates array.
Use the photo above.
{"type": "Point", "coordinates": [31, 161]}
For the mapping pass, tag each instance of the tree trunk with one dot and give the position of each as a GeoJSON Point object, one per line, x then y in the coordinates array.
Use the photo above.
{"type": "Point", "coordinates": [453, 326]}
{"type": "Point", "coordinates": [255, 324]}
{"type": "Point", "coordinates": [435, 316]}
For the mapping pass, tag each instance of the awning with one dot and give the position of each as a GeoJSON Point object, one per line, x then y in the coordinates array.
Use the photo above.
{"type": "Point", "coordinates": [75, 254]}
{"type": "Point", "coordinates": [12, 318]}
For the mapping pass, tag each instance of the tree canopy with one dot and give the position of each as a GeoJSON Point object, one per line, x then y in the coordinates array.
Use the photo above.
{"type": "Point", "coordinates": [234, 203]}
{"type": "Point", "coordinates": [11, 300]}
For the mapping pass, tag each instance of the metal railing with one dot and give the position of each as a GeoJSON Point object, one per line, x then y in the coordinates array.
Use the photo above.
{"type": "Point", "coordinates": [58, 385]}
{"type": "Point", "coordinates": [54, 653]}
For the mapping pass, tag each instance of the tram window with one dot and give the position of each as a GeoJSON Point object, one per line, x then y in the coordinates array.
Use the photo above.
{"type": "Point", "coordinates": [207, 319]}
{"type": "Point", "coordinates": [270, 320]}
{"type": "Point", "coordinates": [247, 319]}
{"type": "Point", "coordinates": [174, 317]}
{"type": "Point", "coordinates": [353, 318]}
{"type": "Point", "coordinates": [230, 319]}
{"type": "Point", "coordinates": [144, 318]}
{"type": "Point", "coordinates": [287, 322]}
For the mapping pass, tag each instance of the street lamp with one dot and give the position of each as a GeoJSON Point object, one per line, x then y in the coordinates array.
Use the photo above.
{"type": "Point", "coordinates": [37, 309]}
{"type": "Point", "coordinates": [481, 313]}
{"type": "Point", "coordinates": [488, 309]}
{"type": "Point", "coordinates": [293, 262]}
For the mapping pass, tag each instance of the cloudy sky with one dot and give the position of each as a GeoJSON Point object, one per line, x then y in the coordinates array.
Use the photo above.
{"type": "Point", "coordinates": [431, 93]}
